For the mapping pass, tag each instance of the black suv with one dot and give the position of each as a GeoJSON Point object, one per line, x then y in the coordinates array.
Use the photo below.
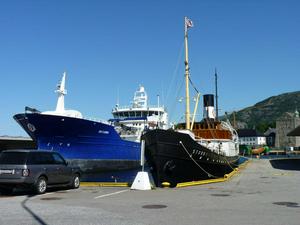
{"type": "Point", "coordinates": [35, 169]}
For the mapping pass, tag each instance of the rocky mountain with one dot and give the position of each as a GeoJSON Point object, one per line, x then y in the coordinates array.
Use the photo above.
{"type": "Point", "coordinates": [265, 113]}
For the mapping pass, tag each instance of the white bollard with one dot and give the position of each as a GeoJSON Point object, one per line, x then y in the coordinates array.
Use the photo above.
{"type": "Point", "coordinates": [141, 182]}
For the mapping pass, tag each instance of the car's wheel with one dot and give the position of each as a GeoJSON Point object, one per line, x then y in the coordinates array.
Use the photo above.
{"type": "Point", "coordinates": [76, 181]}
{"type": "Point", "coordinates": [40, 186]}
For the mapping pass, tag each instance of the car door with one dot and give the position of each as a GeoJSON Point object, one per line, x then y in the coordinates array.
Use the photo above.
{"type": "Point", "coordinates": [44, 163]}
{"type": "Point", "coordinates": [64, 172]}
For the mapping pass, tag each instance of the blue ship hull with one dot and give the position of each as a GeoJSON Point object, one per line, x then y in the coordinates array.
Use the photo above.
{"type": "Point", "coordinates": [94, 146]}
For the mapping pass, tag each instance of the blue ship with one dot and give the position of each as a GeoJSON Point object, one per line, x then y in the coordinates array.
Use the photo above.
{"type": "Point", "coordinates": [100, 148]}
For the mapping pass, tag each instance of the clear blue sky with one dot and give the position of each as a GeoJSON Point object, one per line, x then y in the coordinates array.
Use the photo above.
{"type": "Point", "coordinates": [110, 47]}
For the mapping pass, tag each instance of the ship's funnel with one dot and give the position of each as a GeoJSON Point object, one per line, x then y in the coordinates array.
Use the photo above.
{"type": "Point", "coordinates": [209, 109]}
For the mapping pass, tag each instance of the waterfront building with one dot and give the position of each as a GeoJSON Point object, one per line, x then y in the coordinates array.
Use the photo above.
{"type": "Point", "coordinates": [284, 125]}
{"type": "Point", "coordinates": [270, 136]}
{"type": "Point", "coordinates": [251, 137]}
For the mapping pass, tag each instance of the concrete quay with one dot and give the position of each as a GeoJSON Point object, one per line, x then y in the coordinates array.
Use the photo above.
{"type": "Point", "coordinates": [264, 193]}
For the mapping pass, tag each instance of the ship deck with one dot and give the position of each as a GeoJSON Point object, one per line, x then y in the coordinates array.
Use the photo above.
{"type": "Point", "coordinates": [265, 192]}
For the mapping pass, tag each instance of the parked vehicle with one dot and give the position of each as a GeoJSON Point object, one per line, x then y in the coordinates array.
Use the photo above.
{"type": "Point", "coordinates": [37, 170]}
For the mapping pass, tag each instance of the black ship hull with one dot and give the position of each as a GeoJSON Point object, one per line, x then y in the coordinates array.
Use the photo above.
{"type": "Point", "coordinates": [175, 157]}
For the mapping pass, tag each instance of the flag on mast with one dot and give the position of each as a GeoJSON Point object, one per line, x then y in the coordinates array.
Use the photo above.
{"type": "Point", "coordinates": [188, 23]}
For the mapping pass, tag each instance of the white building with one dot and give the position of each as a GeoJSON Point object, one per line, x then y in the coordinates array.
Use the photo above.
{"type": "Point", "coordinates": [251, 137]}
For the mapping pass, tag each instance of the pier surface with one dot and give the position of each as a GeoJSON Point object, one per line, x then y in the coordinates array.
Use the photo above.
{"type": "Point", "coordinates": [263, 193]}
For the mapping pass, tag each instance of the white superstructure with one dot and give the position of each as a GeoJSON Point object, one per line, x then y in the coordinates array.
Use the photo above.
{"type": "Point", "coordinates": [132, 120]}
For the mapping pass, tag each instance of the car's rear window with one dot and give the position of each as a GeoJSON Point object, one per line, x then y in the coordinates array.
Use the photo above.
{"type": "Point", "coordinates": [18, 158]}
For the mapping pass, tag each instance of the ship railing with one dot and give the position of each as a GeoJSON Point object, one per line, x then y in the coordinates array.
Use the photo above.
{"type": "Point", "coordinates": [217, 148]}
{"type": "Point", "coordinates": [97, 120]}
{"type": "Point", "coordinates": [204, 140]}
{"type": "Point", "coordinates": [152, 107]}
{"type": "Point", "coordinates": [234, 133]}
{"type": "Point", "coordinates": [31, 110]}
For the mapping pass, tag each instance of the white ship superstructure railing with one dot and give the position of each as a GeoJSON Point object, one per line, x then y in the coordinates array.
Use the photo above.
{"type": "Point", "coordinates": [227, 125]}
{"type": "Point", "coordinates": [219, 146]}
{"type": "Point", "coordinates": [130, 107]}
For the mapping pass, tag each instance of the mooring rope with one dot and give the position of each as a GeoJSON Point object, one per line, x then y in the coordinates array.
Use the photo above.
{"type": "Point", "coordinates": [229, 164]}
{"type": "Point", "coordinates": [208, 174]}
{"type": "Point", "coordinates": [232, 163]}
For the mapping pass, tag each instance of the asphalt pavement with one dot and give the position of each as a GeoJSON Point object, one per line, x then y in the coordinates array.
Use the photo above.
{"type": "Point", "coordinates": [259, 194]}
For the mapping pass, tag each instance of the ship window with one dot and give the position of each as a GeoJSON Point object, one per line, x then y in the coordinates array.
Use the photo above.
{"type": "Point", "coordinates": [153, 113]}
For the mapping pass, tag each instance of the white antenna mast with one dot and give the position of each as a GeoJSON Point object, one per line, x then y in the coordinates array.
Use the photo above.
{"type": "Point", "coordinates": [60, 106]}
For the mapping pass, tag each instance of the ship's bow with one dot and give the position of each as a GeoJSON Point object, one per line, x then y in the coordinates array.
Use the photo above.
{"type": "Point", "coordinates": [22, 120]}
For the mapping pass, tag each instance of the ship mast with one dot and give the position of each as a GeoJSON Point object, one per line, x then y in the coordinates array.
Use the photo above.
{"type": "Point", "coordinates": [60, 106]}
{"type": "Point", "coordinates": [187, 24]}
{"type": "Point", "coordinates": [216, 86]}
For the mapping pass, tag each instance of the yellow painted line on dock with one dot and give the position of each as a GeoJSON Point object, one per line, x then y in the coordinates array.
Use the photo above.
{"type": "Point", "coordinates": [104, 184]}
{"type": "Point", "coordinates": [209, 181]}
{"type": "Point", "coordinates": [231, 174]}
{"type": "Point", "coordinates": [192, 183]}
{"type": "Point", "coordinates": [244, 164]}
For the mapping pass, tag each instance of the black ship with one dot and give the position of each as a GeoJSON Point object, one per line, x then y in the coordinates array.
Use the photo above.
{"type": "Point", "coordinates": [195, 150]}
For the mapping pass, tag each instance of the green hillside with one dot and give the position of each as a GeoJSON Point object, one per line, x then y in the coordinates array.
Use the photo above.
{"type": "Point", "coordinates": [265, 113]}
